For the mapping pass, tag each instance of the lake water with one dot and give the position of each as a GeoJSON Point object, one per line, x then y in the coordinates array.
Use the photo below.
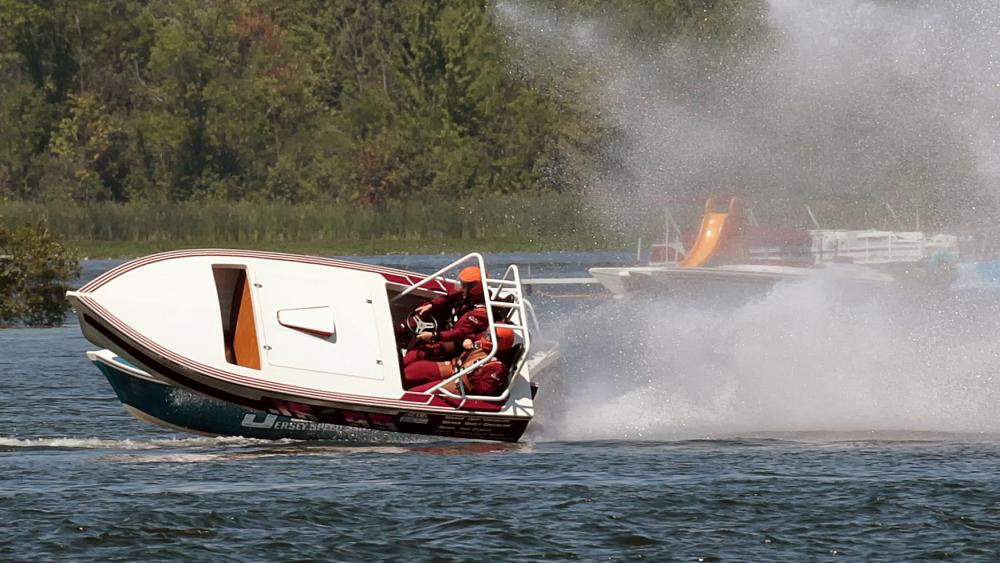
{"type": "Point", "coordinates": [809, 424]}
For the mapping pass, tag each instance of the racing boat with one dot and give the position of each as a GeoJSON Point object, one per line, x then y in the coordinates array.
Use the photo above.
{"type": "Point", "coordinates": [303, 337]}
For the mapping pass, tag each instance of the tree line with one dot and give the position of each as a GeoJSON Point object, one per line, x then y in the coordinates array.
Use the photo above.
{"type": "Point", "coordinates": [294, 101]}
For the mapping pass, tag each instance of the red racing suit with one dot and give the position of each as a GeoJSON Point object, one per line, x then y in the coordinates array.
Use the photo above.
{"type": "Point", "coordinates": [489, 379]}
{"type": "Point", "coordinates": [444, 308]}
{"type": "Point", "coordinates": [446, 342]}
{"type": "Point", "coordinates": [455, 303]}
{"type": "Point", "coordinates": [469, 325]}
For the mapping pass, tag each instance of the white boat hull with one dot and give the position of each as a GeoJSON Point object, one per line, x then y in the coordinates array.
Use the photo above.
{"type": "Point", "coordinates": [679, 280]}
{"type": "Point", "coordinates": [166, 314]}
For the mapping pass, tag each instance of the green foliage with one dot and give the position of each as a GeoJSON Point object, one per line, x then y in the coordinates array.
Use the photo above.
{"type": "Point", "coordinates": [297, 101]}
{"type": "Point", "coordinates": [35, 269]}
{"type": "Point", "coordinates": [260, 122]}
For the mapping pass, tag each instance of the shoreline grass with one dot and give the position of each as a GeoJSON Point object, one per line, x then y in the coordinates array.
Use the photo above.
{"type": "Point", "coordinates": [429, 225]}
{"type": "Point", "coordinates": [116, 249]}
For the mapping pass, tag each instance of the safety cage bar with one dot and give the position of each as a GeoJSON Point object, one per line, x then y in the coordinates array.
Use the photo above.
{"type": "Point", "coordinates": [506, 287]}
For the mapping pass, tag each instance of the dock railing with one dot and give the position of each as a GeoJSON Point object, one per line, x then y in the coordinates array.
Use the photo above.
{"type": "Point", "coordinates": [878, 247]}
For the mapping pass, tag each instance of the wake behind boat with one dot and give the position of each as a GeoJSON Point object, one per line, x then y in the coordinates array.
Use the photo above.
{"type": "Point", "coordinates": [305, 337]}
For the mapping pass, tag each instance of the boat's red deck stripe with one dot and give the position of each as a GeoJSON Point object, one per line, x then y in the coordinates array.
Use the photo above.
{"type": "Point", "coordinates": [391, 274]}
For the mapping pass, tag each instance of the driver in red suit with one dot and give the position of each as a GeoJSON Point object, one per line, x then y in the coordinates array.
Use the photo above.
{"type": "Point", "coordinates": [456, 302]}
{"type": "Point", "coordinates": [488, 379]}
{"type": "Point", "coordinates": [466, 303]}
{"type": "Point", "coordinates": [445, 343]}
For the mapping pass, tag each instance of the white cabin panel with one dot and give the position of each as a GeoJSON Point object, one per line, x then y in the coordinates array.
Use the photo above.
{"type": "Point", "coordinates": [355, 348]}
{"type": "Point", "coordinates": [173, 303]}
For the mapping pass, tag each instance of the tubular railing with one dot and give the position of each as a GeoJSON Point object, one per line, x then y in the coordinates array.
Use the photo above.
{"type": "Point", "coordinates": [438, 275]}
{"type": "Point", "coordinates": [493, 290]}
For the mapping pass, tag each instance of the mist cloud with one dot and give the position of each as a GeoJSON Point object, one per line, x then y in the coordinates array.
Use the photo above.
{"type": "Point", "coordinates": [849, 101]}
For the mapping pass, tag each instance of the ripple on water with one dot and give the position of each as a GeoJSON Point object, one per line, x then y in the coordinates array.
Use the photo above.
{"type": "Point", "coordinates": [81, 479]}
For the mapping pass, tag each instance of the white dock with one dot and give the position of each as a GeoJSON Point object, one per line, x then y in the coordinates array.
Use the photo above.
{"type": "Point", "coordinates": [561, 287]}
{"type": "Point", "coordinates": [558, 281]}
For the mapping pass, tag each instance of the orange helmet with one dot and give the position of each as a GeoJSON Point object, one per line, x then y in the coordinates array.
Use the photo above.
{"type": "Point", "coordinates": [470, 275]}
{"type": "Point", "coordinates": [471, 278]}
{"type": "Point", "coordinates": [505, 336]}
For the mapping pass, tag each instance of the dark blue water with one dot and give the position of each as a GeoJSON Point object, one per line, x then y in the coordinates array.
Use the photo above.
{"type": "Point", "coordinates": [886, 449]}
